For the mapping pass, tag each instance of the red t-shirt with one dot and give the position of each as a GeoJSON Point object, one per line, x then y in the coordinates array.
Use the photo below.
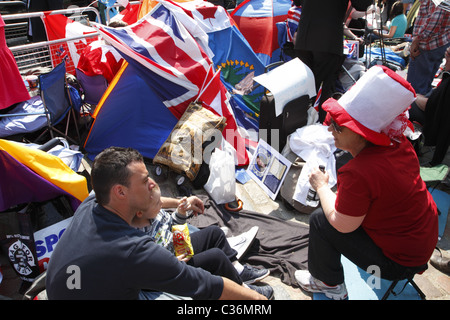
{"type": "Point", "coordinates": [384, 184]}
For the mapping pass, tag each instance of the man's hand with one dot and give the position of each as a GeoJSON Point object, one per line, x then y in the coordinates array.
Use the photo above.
{"type": "Point", "coordinates": [191, 204]}
{"type": "Point", "coordinates": [414, 50]}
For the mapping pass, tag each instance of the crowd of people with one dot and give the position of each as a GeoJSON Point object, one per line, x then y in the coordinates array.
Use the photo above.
{"type": "Point", "coordinates": [382, 213]}
{"type": "Point", "coordinates": [379, 210]}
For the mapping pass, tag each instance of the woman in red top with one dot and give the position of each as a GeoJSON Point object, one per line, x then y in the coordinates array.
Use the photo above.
{"type": "Point", "coordinates": [382, 214]}
{"type": "Point", "coordinates": [12, 87]}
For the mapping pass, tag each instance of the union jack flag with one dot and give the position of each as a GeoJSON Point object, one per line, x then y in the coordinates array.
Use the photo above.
{"type": "Point", "coordinates": [172, 62]}
{"type": "Point", "coordinates": [351, 49]}
{"type": "Point", "coordinates": [317, 101]}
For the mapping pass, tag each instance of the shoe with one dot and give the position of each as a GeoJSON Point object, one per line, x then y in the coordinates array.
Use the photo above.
{"type": "Point", "coordinates": [242, 242]}
{"type": "Point", "coordinates": [266, 290]}
{"type": "Point", "coordinates": [251, 275]}
{"type": "Point", "coordinates": [225, 230]}
{"type": "Point", "coordinates": [310, 284]}
{"type": "Point", "coordinates": [440, 262]}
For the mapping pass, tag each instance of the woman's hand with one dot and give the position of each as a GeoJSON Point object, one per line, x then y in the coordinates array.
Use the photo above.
{"type": "Point", "coordinates": [318, 178]}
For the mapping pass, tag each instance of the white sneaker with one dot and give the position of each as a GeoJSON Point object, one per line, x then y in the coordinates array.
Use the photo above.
{"type": "Point", "coordinates": [311, 284]}
{"type": "Point", "coordinates": [242, 242]}
{"type": "Point", "coordinates": [225, 230]}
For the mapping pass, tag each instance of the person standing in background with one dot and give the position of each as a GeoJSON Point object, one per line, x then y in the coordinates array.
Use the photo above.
{"type": "Point", "coordinates": [319, 40]}
{"type": "Point", "coordinates": [36, 30]}
{"type": "Point", "coordinates": [431, 37]}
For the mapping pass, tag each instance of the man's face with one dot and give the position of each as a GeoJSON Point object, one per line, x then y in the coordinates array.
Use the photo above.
{"type": "Point", "coordinates": [144, 194]}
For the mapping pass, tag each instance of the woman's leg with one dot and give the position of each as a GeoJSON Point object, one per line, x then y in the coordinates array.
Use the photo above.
{"type": "Point", "coordinates": [327, 245]}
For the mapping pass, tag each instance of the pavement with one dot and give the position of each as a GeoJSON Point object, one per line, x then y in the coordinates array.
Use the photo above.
{"type": "Point", "coordinates": [434, 283]}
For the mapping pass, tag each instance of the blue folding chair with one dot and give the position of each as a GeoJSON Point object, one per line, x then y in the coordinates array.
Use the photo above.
{"type": "Point", "coordinates": [57, 102]}
{"type": "Point", "coordinates": [56, 107]}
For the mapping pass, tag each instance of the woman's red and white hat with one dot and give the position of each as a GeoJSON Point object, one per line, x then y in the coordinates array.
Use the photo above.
{"type": "Point", "coordinates": [372, 104]}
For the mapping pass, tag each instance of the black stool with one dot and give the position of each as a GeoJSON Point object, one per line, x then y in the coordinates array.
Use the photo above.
{"type": "Point", "coordinates": [408, 275]}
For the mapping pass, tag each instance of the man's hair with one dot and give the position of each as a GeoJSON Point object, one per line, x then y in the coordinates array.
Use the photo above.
{"type": "Point", "coordinates": [110, 168]}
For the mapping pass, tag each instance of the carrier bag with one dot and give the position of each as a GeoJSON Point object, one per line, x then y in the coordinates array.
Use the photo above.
{"type": "Point", "coordinates": [18, 228]}
{"type": "Point", "coordinates": [221, 185]}
{"type": "Point", "coordinates": [17, 242]}
{"type": "Point", "coordinates": [182, 151]}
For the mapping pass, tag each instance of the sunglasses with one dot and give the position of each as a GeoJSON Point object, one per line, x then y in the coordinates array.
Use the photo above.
{"type": "Point", "coordinates": [335, 126]}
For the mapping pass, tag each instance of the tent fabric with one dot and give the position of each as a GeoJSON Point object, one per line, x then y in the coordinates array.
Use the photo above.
{"type": "Point", "coordinates": [174, 83]}
{"type": "Point", "coordinates": [257, 19]}
{"type": "Point", "coordinates": [31, 175]}
{"type": "Point", "coordinates": [130, 115]}
{"type": "Point", "coordinates": [237, 60]}
{"type": "Point", "coordinates": [231, 53]}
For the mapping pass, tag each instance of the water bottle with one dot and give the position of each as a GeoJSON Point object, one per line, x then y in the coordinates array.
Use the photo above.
{"type": "Point", "coordinates": [312, 199]}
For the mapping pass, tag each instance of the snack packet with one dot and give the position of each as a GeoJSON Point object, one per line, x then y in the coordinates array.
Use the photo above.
{"type": "Point", "coordinates": [182, 240]}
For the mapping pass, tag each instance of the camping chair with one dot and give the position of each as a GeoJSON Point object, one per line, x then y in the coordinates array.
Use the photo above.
{"type": "Point", "coordinates": [47, 110]}
{"type": "Point", "coordinates": [93, 86]}
{"type": "Point", "coordinates": [409, 275]}
{"type": "Point", "coordinates": [57, 102]}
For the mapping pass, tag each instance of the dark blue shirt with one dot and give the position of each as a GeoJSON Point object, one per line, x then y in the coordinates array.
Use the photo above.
{"type": "Point", "coordinates": [100, 256]}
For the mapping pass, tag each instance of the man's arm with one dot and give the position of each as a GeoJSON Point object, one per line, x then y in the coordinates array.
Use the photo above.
{"type": "Point", "coordinates": [168, 203]}
{"type": "Point", "coordinates": [233, 291]}
{"type": "Point", "coordinates": [193, 203]}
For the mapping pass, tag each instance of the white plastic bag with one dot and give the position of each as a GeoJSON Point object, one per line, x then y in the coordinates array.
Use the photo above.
{"type": "Point", "coordinates": [221, 184]}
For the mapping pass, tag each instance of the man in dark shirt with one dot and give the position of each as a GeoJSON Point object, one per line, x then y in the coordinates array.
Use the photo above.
{"type": "Point", "coordinates": [103, 256]}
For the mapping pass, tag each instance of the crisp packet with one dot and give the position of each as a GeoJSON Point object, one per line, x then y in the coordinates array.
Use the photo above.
{"type": "Point", "coordinates": [182, 240]}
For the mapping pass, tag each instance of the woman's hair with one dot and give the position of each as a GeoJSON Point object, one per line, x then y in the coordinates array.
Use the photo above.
{"type": "Point", "coordinates": [396, 9]}
{"type": "Point", "coordinates": [110, 168]}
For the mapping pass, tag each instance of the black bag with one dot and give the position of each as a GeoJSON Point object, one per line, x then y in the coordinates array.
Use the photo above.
{"type": "Point", "coordinates": [361, 5]}
{"type": "Point", "coordinates": [275, 130]}
{"type": "Point", "coordinates": [17, 227]}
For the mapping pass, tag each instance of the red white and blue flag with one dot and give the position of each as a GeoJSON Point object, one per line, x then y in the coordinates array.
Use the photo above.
{"type": "Point", "coordinates": [293, 17]}
{"type": "Point", "coordinates": [351, 49]}
{"type": "Point", "coordinates": [58, 26]}
{"type": "Point", "coordinates": [257, 20]}
{"type": "Point", "coordinates": [173, 63]}
{"type": "Point", "coordinates": [317, 101]}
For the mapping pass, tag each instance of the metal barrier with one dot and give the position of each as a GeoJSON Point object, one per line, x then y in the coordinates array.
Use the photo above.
{"type": "Point", "coordinates": [15, 30]}
{"type": "Point", "coordinates": [41, 54]}
{"type": "Point", "coordinates": [117, 6]}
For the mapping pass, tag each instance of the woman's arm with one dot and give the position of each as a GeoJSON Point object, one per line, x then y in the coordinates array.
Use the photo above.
{"type": "Point", "coordinates": [341, 222]}
{"type": "Point", "coordinates": [391, 33]}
